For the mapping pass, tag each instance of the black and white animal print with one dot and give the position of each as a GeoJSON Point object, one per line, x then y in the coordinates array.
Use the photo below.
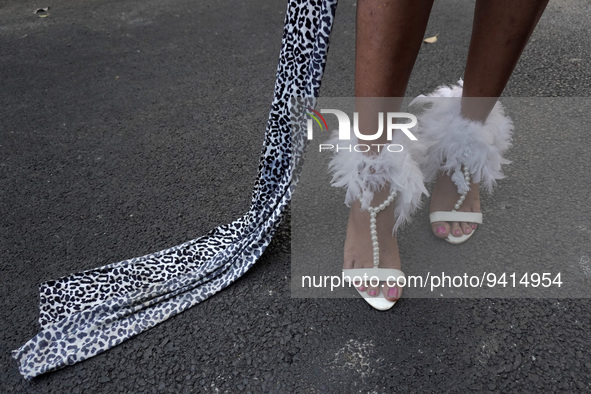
{"type": "Point", "coordinates": [84, 314]}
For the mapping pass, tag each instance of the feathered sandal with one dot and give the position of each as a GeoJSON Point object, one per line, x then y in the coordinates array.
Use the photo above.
{"type": "Point", "coordinates": [471, 150]}
{"type": "Point", "coordinates": [362, 175]}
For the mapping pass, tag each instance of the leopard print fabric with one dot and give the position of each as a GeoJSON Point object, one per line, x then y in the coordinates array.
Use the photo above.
{"type": "Point", "coordinates": [84, 314]}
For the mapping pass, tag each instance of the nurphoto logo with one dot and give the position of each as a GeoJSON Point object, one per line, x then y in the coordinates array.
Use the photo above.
{"type": "Point", "coordinates": [344, 130]}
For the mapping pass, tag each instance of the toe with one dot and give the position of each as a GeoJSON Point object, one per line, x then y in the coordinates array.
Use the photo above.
{"type": "Point", "coordinates": [392, 293]}
{"type": "Point", "coordinates": [473, 226]}
{"type": "Point", "coordinates": [456, 231]}
{"type": "Point", "coordinates": [440, 229]}
{"type": "Point", "coordinates": [361, 286]}
{"type": "Point", "coordinates": [372, 291]}
{"type": "Point", "coordinates": [466, 228]}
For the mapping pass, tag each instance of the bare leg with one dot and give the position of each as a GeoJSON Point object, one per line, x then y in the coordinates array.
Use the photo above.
{"type": "Point", "coordinates": [389, 36]}
{"type": "Point", "coordinates": [499, 35]}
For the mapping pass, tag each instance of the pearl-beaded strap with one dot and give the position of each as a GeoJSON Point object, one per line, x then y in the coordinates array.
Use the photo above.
{"type": "Point", "coordinates": [463, 196]}
{"type": "Point", "coordinates": [373, 211]}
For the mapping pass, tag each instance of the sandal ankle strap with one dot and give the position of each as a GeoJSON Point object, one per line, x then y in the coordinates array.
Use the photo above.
{"type": "Point", "coordinates": [362, 175]}
{"type": "Point", "coordinates": [454, 143]}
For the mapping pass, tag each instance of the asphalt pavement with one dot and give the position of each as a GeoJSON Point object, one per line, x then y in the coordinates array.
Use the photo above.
{"type": "Point", "coordinates": [130, 126]}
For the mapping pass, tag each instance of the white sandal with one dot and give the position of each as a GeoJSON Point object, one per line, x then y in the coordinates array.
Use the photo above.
{"type": "Point", "coordinates": [472, 150]}
{"type": "Point", "coordinates": [455, 216]}
{"type": "Point", "coordinates": [358, 276]}
{"type": "Point", "coordinates": [363, 174]}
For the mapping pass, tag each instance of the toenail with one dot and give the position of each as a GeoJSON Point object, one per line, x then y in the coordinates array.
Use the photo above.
{"type": "Point", "coordinates": [393, 292]}
{"type": "Point", "coordinates": [440, 230]}
{"type": "Point", "coordinates": [457, 232]}
{"type": "Point", "coordinates": [467, 230]}
{"type": "Point", "coordinates": [361, 288]}
{"type": "Point", "coordinates": [372, 293]}
{"type": "Point", "coordinates": [474, 227]}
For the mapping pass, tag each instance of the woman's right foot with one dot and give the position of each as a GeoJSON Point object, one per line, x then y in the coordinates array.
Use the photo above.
{"type": "Point", "coordinates": [359, 246]}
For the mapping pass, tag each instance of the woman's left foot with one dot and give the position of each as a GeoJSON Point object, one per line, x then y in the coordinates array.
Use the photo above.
{"type": "Point", "coordinates": [456, 143]}
{"type": "Point", "coordinates": [444, 197]}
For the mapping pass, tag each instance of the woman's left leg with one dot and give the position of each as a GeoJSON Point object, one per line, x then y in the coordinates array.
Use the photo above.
{"type": "Point", "coordinates": [500, 32]}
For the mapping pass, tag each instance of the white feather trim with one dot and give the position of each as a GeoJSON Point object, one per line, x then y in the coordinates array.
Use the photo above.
{"type": "Point", "coordinates": [451, 140]}
{"type": "Point", "coordinates": [363, 174]}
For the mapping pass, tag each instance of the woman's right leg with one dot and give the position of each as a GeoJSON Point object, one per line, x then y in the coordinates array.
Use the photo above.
{"type": "Point", "coordinates": [389, 35]}
{"type": "Point", "coordinates": [388, 38]}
